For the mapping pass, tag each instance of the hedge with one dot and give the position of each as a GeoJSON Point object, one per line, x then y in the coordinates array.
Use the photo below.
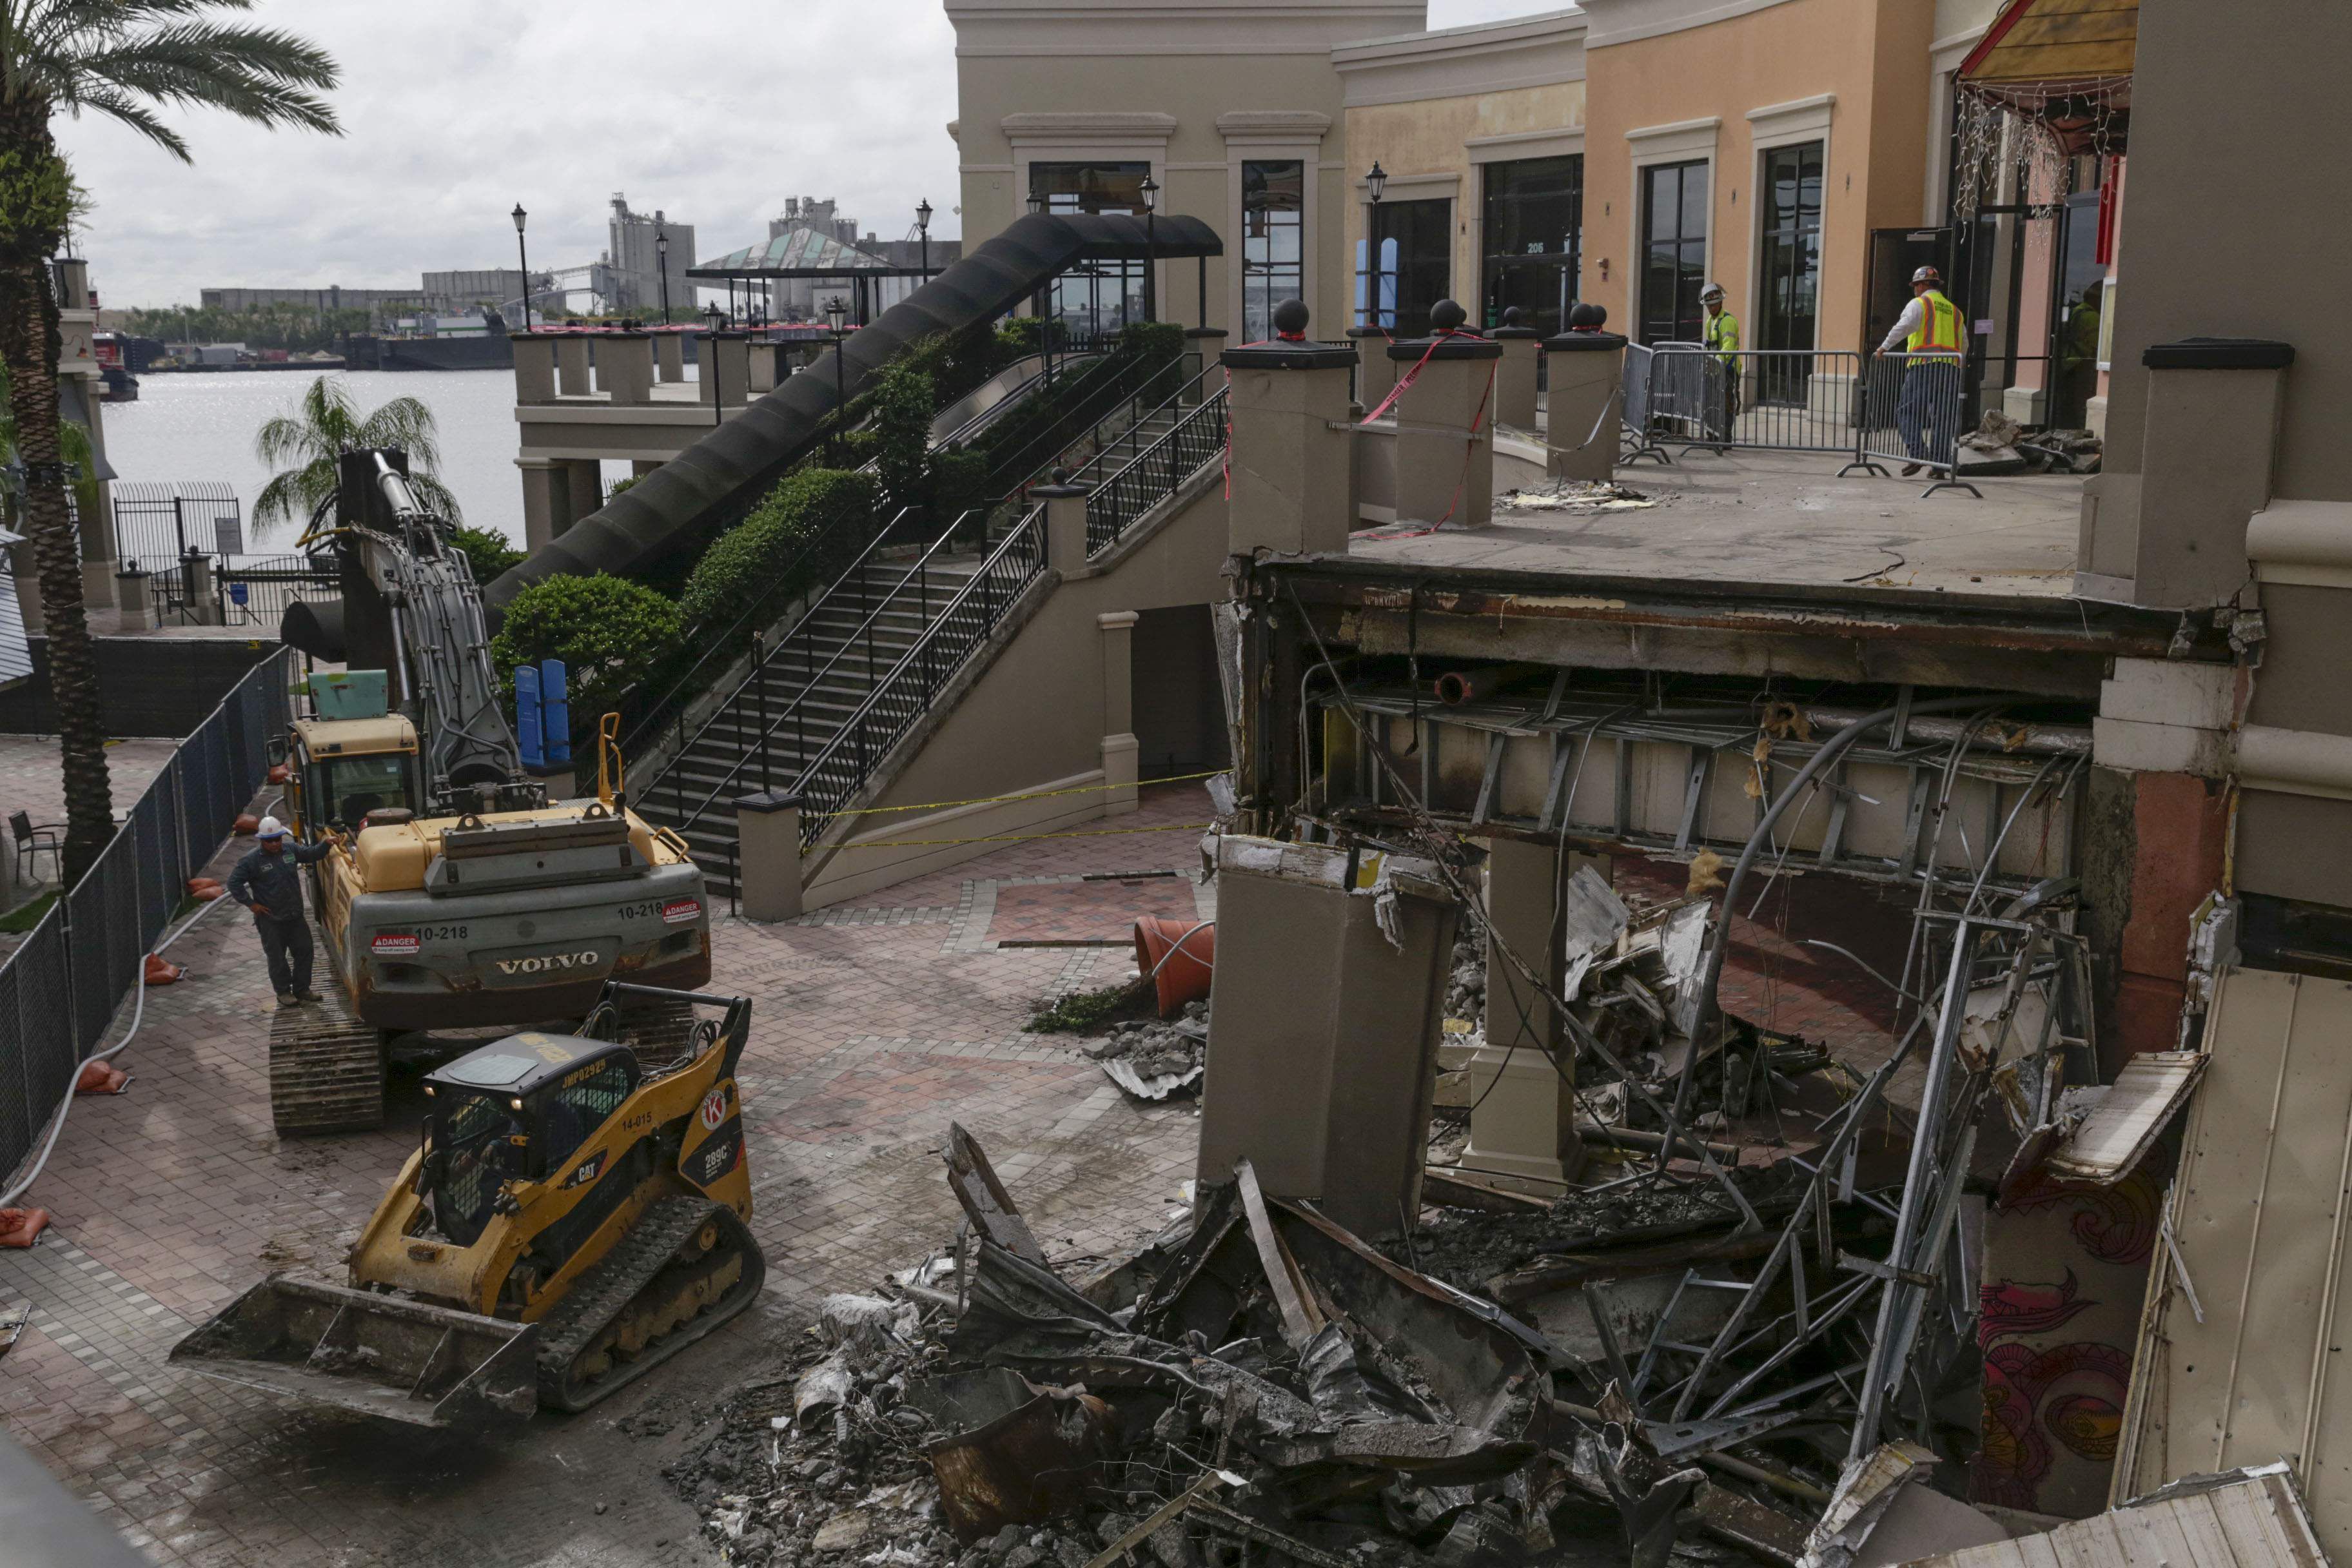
{"type": "Point", "coordinates": [765, 550]}
{"type": "Point", "coordinates": [607, 631]}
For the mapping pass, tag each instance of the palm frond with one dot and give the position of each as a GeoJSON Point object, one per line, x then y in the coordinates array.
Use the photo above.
{"type": "Point", "coordinates": [289, 495]}
{"type": "Point", "coordinates": [122, 107]}
{"type": "Point", "coordinates": [435, 497]}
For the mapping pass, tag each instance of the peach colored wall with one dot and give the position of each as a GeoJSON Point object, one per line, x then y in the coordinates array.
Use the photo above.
{"type": "Point", "coordinates": [1871, 54]}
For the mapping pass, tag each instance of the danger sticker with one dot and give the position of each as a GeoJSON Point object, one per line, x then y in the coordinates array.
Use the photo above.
{"type": "Point", "coordinates": [714, 1108]}
{"type": "Point", "coordinates": [389, 942]}
{"type": "Point", "coordinates": [679, 910]}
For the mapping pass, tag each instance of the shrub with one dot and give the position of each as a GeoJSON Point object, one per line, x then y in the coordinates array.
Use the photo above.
{"type": "Point", "coordinates": [904, 401]}
{"type": "Point", "coordinates": [766, 550]}
{"type": "Point", "coordinates": [1151, 341]}
{"type": "Point", "coordinates": [487, 553]}
{"type": "Point", "coordinates": [607, 631]}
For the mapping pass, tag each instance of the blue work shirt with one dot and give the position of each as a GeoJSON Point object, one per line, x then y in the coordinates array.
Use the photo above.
{"type": "Point", "coordinates": [269, 884]}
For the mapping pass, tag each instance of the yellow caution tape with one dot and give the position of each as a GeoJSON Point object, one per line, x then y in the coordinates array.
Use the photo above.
{"type": "Point", "coordinates": [1023, 794]}
{"type": "Point", "coordinates": [1027, 838]}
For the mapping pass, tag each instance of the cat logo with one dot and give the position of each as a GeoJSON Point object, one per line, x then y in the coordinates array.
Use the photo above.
{"type": "Point", "coordinates": [587, 1171]}
{"type": "Point", "coordinates": [544, 963]}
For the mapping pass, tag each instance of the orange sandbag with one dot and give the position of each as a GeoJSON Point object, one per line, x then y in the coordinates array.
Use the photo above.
{"type": "Point", "coordinates": [278, 773]}
{"type": "Point", "coordinates": [161, 970]}
{"type": "Point", "coordinates": [246, 823]}
{"type": "Point", "coordinates": [1185, 977]}
{"type": "Point", "coordinates": [100, 1077]}
{"type": "Point", "coordinates": [204, 890]}
{"type": "Point", "coordinates": [20, 1227]}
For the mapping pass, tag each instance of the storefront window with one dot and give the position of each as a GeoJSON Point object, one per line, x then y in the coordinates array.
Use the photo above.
{"type": "Point", "coordinates": [1094, 299]}
{"type": "Point", "coordinates": [1674, 250]}
{"type": "Point", "coordinates": [1789, 267]}
{"type": "Point", "coordinates": [1533, 223]}
{"type": "Point", "coordinates": [1274, 211]}
{"type": "Point", "coordinates": [1410, 265]}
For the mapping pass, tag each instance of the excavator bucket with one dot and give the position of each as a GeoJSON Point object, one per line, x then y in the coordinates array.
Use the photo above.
{"type": "Point", "coordinates": [433, 1366]}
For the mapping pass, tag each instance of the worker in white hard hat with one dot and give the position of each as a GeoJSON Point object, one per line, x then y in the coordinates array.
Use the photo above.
{"type": "Point", "coordinates": [1927, 410]}
{"type": "Point", "coordinates": [268, 882]}
{"type": "Point", "coordinates": [1721, 336]}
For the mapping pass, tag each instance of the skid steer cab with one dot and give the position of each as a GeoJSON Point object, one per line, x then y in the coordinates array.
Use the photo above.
{"type": "Point", "coordinates": [575, 1213]}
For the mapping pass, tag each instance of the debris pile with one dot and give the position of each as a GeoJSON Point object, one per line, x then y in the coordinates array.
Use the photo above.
{"type": "Point", "coordinates": [1573, 497]}
{"type": "Point", "coordinates": [1152, 1060]}
{"type": "Point", "coordinates": [1999, 445]}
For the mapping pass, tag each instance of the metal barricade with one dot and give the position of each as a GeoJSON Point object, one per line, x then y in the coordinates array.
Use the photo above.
{"type": "Point", "coordinates": [60, 988]}
{"type": "Point", "coordinates": [1769, 400]}
{"type": "Point", "coordinates": [1911, 414]}
{"type": "Point", "coordinates": [1635, 437]}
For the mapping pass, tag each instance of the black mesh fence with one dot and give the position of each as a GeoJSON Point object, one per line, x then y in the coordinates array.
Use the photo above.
{"type": "Point", "coordinates": [60, 988]}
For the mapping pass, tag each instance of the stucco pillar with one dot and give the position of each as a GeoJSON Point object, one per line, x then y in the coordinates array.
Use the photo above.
{"type": "Point", "coordinates": [670, 357]}
{"type": "Point", "coordinates": [1525, 1127]}
{"type": "Point", "coordinates": [624, 367]}
{"type": "Point", "coordinates": [1065, 524]}
{"type": "Point", "coordinates": [534, 365]}
{"type": "Point", "coordinates": [1120, 753]}
{"type": "Point", "coordinates": [202, 594]}
{"type": "Point", "coordinates": [768, 831]}
{"type": "Point", "coordinates": [1514, 379]}
{"type": "Point", "coordinates": [546, 501]}
{"type": "Point", "coordinates": [1293, 474]}
{"type": "Point", "coordinates": [726, 367]}
{"type": "Point", "coordinates": [138, 601]}
{"type": "Point", "coordinates": [1208, 342]}
{"type": "Point", "coordinates": [766, 368]}
{"type": "Point", "coordinates": [2212, 418]}
{"type": "Point", "coordinates": [1445, 425]}
{"type": "Point", "coordinates": [1585, 366]}
{"type": "Point", "coordinates": [571, 377]}
{"type": "Point", "coordinates": [584, 486]}
{"type": "Point", "coordinates": [1375, 376]}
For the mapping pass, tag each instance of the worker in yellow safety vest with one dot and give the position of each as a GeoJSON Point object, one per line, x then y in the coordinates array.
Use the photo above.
{"type": "Point", "coordinates": [1927, 411]}
{"type": "Point", "coordinates": [1721, 337]}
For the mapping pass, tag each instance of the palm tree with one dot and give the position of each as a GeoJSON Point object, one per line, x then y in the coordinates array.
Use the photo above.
{"type": "Point", "coordinates": [127, 60]}
{"type": "Point", "coordinates": [301, 447]}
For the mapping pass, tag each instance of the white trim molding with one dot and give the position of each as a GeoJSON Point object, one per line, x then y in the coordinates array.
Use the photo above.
{"type": "Point", "coordinates": [1290, 126]}
{"type": "Point", "coordinates": [1773, 126]}
{"type": "Point", "coordinates": [1679, 140]}
{"type": "Point", "coordinates": [1524, 145]}
{"type": "Point", "coordinates": [1944, 57]}
{"type": "Point", "coordinates": [2302, 541]}
{"type": "Point", "coordinates": [1543, 50]}
{"type": "Point", "coordinates": [1133, 28]}
{"type": "Point", "coordinates": [1422, 184]}
{"type": "Point", "coordinates": [1626, 21]}
{"type": "Point", "coordinates": [1057, 125]}
{"type": "Point", "coordinates": [2294, 762]}
{"type": "Point", "coordinates": [1799, 119]}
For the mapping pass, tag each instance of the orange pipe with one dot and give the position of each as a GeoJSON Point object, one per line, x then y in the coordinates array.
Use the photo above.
{"type": "Point", "coordinates": [1184, 977]}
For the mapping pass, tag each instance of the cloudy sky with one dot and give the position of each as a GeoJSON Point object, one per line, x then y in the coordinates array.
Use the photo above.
{"type": "Point", "coordinates": [455, 109]}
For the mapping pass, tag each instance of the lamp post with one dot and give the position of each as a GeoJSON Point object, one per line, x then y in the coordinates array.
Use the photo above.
{"type": "Point", "coordinates": [1151, 249]}
{"type": "Point", "coordinates": [523, 256]}
{"type": "Point", "coordinates": [714, 320]}
{"type": "Point", "coordinates": [1375, 183]}
{"type": "Point", "coordinates": [661, 264]}
{"type": "Point", "coordinates": [834, 312]}
{"type": "Point", "coordinates": [923, 233]}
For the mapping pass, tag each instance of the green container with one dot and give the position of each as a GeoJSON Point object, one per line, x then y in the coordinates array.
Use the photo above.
{"type": "Point", "coordinates": [349, 694]}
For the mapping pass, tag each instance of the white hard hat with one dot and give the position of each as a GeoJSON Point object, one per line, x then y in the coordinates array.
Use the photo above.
{"type": "Point", "coordinates": [1712, 292]}
{"type": "Point", "coordinates": [271, 829]}
{"type": "Point", "coordinates": [1927, 275]}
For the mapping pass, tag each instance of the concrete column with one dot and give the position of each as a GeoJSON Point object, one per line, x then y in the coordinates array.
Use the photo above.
{"type": "Point", "coordinates": [2212, 422]}
{"type": "Point", "coordinates": [546, 501]}
{"type": "Point", "coordinates": [767, 368]}
{"type": "Point", "coordinates": [768, 828]}
{"type": "Point", "coordinates": [1065, 524]}
{"type": "Point", "coordinates": [670, 357]}
{"type": "Point", "coordinates": [726, 367]}
{"type": "Point", "coordinates": [1293, 461]}
{"type": "Point", "coordinates": [640, 466]}
{"type": "Point", "coordinates": [137, 600]}
{"type": "Point", "coordinates": [1206, 341]}
{"type": "Point", "coordinates": [624, 367]}
{"type": "Point", "coordinates": [97, 584]}
{"type": "Point", "coordinates": [534, 365]}
{"type": "Point", "coordinates": [1585, 367]}
{"type": "Point", "coordinates": [1515, 381]}
{"type": "Point", "coordinates": [571, 378]}
{"type": "Point", "coordinates": [1444, 468]}
{"type": "Point", "coordinates": [1374, 375]}
{"type": "Point", "coordinates": [1527, 1127]}
{"type": "Point", "coordinates": [204, 597]}
{"type": "Point", "coordinates": [1122, 754]}
{"type": "Point", "coordinates": [586, 487]}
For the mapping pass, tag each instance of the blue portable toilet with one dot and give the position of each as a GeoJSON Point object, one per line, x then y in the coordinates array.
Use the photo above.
{"type": "Point", "coordinates": [555, 713]}
{"type": "Point", "coordinates": [527, 717]}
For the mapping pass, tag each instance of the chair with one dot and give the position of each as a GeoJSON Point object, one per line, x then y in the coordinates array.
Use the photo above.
{"type": "Point", "coordinates": [31, 840]}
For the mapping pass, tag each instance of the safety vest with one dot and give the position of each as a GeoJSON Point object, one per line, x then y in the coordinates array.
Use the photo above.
{"type": "Point", "coordinates": [1938, 332]}
{"type": "Point", "coordinates": [1722, 335]}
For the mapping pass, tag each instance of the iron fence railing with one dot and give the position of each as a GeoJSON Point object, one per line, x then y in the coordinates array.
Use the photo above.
{"type": "Point", "coordinates": [834, 777]}
{"type": "Point", "coordinates": [1120, 502]}
{"type": "Point", "coordinates": [1094, 408]}
{"type": "Point", "coordinates": [1910, 414]}
{"type": "Point", "coordinates": [59, 989]}
{"type": "Point", "coordinates": [1117, 451]}
{"type": "Point", "coordinates": [257, 589]}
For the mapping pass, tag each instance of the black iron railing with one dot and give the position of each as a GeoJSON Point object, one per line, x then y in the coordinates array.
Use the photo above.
{"type": "Point", "coordinates": [256, 590]}
{"type": "Point", "coordinates": [1117, 502]}
{"type": "Point", "coordinates": [1093, 407]}
{"type": "Point", "coordinates": [834, 777]}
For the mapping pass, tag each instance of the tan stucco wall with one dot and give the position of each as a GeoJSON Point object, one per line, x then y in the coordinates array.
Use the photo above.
{"type": "Point", "coordinates": [1872, 55]}
{"type": "Point", "coordinates": [1431, 137]}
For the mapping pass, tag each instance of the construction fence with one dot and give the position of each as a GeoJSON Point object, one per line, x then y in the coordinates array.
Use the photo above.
{"type": "Point", "coordinates": [1866, 409]}
{"type": "Point", "coordinates": [60, 988]}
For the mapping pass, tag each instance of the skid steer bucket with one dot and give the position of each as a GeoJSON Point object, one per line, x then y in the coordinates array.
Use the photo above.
{"type": "Point", "coordinates": [377, 1355]}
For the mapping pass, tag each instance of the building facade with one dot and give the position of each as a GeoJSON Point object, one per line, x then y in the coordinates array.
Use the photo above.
{"type": "Point", "coordinates": [633, 264]}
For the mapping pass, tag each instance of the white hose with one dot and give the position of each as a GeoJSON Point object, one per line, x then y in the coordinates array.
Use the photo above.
{"type": "Point", "coordinates": [1176, 946]}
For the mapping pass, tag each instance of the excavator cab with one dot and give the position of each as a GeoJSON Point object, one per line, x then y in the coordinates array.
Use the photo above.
{"type": "Point", "coordinates": [514, 1110]}
{"type": "Point", "coordinates": [344, 769]}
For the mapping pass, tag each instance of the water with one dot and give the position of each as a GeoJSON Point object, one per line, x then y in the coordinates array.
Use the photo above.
{"type": "Point", "coordinates": [201, 426]}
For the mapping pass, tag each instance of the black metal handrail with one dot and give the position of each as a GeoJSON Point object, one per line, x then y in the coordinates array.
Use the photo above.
{"type": "Point", "coordinates": [1119, 502]}
{"type": "Point", "coordinates": [1120, 449]}
{"type": "Point", "coordinates": [795, 712]}
{"type": "Point", "coordinates": [1125, 387]}
{"type": "Point", "coordinates": [834, 776]}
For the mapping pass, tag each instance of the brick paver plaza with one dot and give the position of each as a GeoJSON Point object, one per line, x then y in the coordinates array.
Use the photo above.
{"type": "Point", "coordinates": [875, 1025]}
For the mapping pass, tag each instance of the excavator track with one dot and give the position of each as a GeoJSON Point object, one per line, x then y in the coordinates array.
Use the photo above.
{"type": "Point", "coordinates": [689, 1264]}
{"type": "Point", "coordinates": [326, 1070]}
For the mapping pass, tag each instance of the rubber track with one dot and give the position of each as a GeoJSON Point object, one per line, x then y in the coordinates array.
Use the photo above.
{"type": "Point", "coordinates": [326, 1069]}
{"type": "Point", "coordinates": [606, 1291]}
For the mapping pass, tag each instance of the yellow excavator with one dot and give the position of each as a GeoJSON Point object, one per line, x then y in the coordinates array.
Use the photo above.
{"type": "Point", "coordinates": [460, 899]}
{"type": "Point", "coordinates": [573, 1216]}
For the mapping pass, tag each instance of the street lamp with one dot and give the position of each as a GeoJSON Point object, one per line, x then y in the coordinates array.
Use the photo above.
{"type": "Point", "coordinates": [835, 313]}
{"type": "Point", "coordinates": [923, 233]}
{"type": "Point", "coordinates": [1151, 249]}
{"type": "Point", "coordinates": [661, 261]}
{"type": "Point", "coordinates": [714, 321]}
{"type": "Point", "coordinates": [1375, 182]}
{"type": "Point", "coordinates": [523, 256]}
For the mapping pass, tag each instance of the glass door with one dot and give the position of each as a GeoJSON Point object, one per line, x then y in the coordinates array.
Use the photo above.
{"type": "Point", "coordinates": [1533, 231]}
{"type": "Point", "coordinates": [1789, 268]}
{"type": "Point", "coordinates": [1673, 251]}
